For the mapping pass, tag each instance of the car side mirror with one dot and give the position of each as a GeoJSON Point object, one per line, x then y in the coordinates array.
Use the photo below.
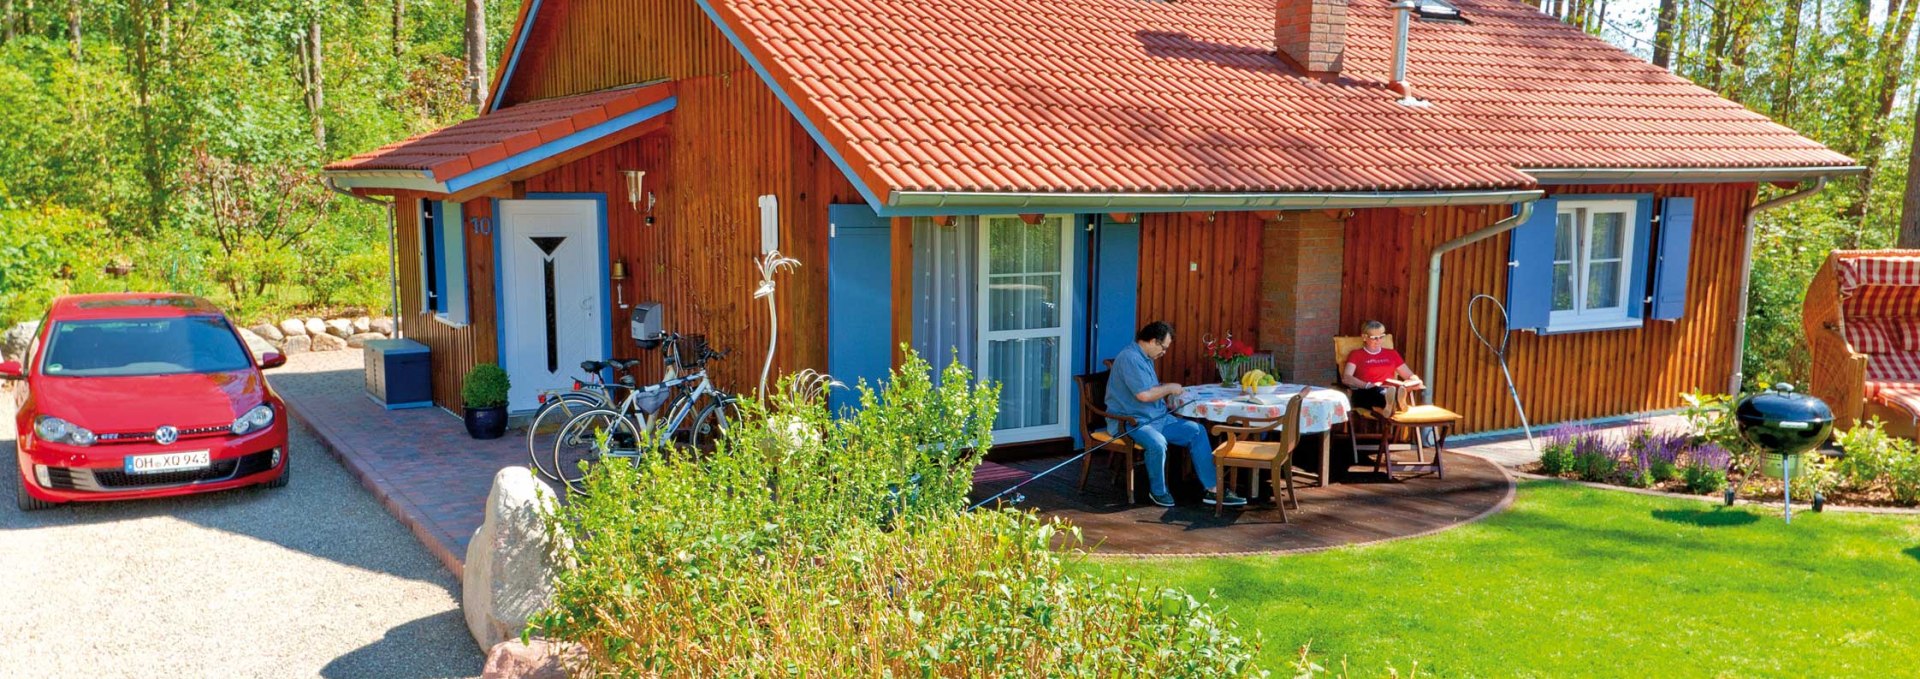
{"type": "Point", "coordinates": [272, 359]}
{"type": "Point", "coordinates": [11, 370]}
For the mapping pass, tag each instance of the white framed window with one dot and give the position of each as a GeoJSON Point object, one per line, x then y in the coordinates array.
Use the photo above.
{"type": "Point", "coordinates": [1593, 265]}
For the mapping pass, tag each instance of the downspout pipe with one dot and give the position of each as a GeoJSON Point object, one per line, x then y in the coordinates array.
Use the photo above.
{"type": "Point", "coordinates": [393, 251]}
{"type": "Point", "coordinates": [1522, 211]}
{"type": "Point", "coordinates": [1746, 277]}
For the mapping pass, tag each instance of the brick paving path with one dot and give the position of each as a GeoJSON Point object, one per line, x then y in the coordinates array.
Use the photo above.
{"type": "Point", "coordinates": [418, 462]}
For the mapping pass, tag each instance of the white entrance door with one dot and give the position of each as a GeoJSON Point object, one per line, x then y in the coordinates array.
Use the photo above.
{"type": "Point", "coordinates": [1024, 316]}
{"type": "Point", "coordinates": [551, 306]}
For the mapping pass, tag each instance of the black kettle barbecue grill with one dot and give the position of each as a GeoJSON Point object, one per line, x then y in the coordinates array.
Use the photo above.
{"type": "Point", "coordinates": [1785, 425]}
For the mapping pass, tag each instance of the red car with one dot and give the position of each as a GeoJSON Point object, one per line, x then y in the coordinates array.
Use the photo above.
{"type": "Point", "coordinates": [143, 395]}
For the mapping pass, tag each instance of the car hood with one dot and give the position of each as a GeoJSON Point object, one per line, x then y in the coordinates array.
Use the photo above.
{"type": "Point", "coordinates": [129, 404]}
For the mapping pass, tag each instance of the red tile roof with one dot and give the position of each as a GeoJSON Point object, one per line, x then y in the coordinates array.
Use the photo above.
{"type": "Point", "coordinates": [1140, 96]}
{"type": "Point", "coordinates": [470, 145]}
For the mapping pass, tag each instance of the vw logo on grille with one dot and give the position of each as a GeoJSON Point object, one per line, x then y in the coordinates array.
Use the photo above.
{"type": "Point", "coordinates": [166, 435]}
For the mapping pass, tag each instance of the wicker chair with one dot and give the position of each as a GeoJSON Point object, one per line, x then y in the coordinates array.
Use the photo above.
{"type": "Point", "coordinates": [1862, 321]}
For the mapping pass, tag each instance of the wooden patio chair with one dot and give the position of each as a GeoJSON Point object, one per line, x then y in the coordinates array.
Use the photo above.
{"type": "Point", "coordinates": [1120, 451]}
{"type": "Point", "coordinates": [1358, 419]}
{"type": "Point", "coordinates": [1243, 450]}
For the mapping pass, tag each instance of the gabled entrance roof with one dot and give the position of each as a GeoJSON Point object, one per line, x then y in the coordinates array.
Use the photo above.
{"type": "Point", "coordinates": [495, 145]}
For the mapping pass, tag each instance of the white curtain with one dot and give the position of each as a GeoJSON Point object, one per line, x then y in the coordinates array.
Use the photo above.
{"type": "Point", "coordinates": [945, 290]}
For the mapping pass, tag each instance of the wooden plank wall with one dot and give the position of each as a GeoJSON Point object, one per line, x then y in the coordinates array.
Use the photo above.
{"type": "Point", "coordinates": [454, 349]}
{"type": "Point", "coordinates": [1204, 278]}
{"type": "Point", "coordinates": [1560, 377]}
{"type": "Point", "coordinates": [578, 46]}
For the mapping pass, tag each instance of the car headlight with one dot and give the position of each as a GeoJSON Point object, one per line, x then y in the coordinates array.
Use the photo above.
{"type": "Point", "coordinates": [255, 420]}
{"type": "Point", "coordinates": [56, 430]}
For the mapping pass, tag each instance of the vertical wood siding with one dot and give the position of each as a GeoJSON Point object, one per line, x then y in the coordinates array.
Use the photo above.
{"type": "Point", "coordinates": [1204, 278]}
{"type": "Point", "coordinates": [1560, 377]}
{"type": "Point", "coordinates": [578, 46]}
{"type": "Point", "coordinates": [453, 349]}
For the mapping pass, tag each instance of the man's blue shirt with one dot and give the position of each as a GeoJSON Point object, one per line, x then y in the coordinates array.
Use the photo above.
{"type": "Point", "coordinates": [1133, 373]}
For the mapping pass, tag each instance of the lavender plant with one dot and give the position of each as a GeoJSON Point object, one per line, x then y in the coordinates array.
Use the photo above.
{"type": "Point", "coordinates": [1595, 458]}
{"type": "Point", "coordinates": [1706, 468]}
{"type": "Point", "coordinates": [1556, 459]}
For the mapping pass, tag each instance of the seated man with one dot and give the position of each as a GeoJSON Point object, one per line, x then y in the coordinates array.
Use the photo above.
{"type": "Point", "coordinates": [1135, 390]}
{"type": "Point", "coordinates": [1376, 374]}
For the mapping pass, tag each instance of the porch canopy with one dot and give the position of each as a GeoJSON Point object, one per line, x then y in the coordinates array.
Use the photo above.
{"type": "Point", "coordinates": [478, 156]}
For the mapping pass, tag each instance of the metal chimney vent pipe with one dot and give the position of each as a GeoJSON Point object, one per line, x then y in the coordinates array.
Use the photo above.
{"type": "Point", "coordinates": [1402, 21]}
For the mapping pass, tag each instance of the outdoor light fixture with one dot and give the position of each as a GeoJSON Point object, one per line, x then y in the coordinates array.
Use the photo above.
{"type": "Point", "coordinates": [636, 188]}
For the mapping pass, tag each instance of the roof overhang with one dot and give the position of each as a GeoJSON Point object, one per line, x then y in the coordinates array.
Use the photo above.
{"type": "Point", "coordinates": [584, 141]}
{"type": "Point", "coordinates": [1685, 175]}
{"type": "Point", "coordinates": [932, 203]}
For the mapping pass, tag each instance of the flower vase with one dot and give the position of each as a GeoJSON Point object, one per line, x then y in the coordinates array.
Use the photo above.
{"type": "Point", "coordinates": [1230, 370]}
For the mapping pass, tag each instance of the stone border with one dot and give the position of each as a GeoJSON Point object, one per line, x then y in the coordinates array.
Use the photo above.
{"type": "Point", "coordinates": [403, 509]}
{"type": "Point", "coordinates": [1649, 492]}
{"type": "Point", "coordinates": [1505, 502]}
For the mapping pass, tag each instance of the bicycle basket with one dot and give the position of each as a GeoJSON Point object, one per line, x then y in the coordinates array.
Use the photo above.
{"type": "Point", "coordinates": [693, 352]}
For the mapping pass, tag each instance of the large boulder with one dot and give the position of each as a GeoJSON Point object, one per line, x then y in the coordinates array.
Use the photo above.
{"type": "Point", "coordinates": [294, 327]}
{"type": "Point", "coordinates": [268, 332]}
{"type": "Point", "coordinates": [296, 344]}
{"type": "Point", "coordinates": [382, 325]}
{"type": "Point", "coordinates": [328, 342]}
{"type": "Point", "coordinates": [362, 324]}
{"type": "Point", "coordinates": [340, 327]}
{"type": "Point", "coordinates": [13, 343]}
{"type": "Point", "coordinates": [255, 343]}
{"type": "Point", "coordinates": [508, 575]}
{"type": "Point", "coordinates": [316, 326]}
{"type": "Point", "coordinates": [541, 659]}
{"type": "Point", "coordinates": [359, 339]}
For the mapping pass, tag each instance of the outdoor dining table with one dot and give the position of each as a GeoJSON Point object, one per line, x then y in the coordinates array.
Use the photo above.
{"type": "Point", "coordinates": [1323, 409]}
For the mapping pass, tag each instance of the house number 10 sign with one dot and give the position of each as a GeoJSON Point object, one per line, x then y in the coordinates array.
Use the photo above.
{"type": "Point", "coordinates": [481, 226]}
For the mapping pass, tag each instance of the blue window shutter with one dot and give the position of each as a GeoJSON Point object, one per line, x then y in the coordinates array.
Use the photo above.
{"type": "Point", "coordinates": [1676, 248]}
{"type": "Point", "coordinates": [1117, 286]}
{"type": "Point", "coordinates": [1642, 254]}
{"type": "Point", "coordinates": [1530, 268]}
{"type": "Point", "coordinates": [859, 300]}
{"type": "Point", "coordinates": [431, 248]}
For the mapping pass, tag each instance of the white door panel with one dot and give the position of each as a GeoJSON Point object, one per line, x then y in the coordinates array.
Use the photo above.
{"type": "Point", "coordinates": [551, 304]}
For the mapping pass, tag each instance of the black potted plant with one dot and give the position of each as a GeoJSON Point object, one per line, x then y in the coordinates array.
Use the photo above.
{"type": "Point", "coordinates": [485, 397]}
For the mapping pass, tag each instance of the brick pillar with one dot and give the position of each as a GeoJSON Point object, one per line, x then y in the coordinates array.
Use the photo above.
{"type": "Point", "coordinates": [1311, 33]}
{"type": "Point", "coordinates": [1300, 294]}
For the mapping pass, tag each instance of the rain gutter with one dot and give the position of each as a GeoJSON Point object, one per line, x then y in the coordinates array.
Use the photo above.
{"type": "Point", "coordinates": [1693, 175]}
{"type": "Point", "coordinates": [1746, 277]}
{"type": "Point", "coordinates": [393, 250]}
{"type": "Point", "coordinates": [933, 203]}
{"type": "Point", "coordinates": [1522, 211]}
{"type": "Point", "coordinates": [401, 180]}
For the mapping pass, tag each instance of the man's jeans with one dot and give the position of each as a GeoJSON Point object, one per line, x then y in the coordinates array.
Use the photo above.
{"type": "Point", "coordinates": [1156, 436]}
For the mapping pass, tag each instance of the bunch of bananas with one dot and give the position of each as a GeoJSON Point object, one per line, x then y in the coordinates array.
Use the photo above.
{"type": "Point", "coordinates": [1252, 379]}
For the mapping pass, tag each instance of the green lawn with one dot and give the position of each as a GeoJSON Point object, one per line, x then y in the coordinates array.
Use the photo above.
{"type": "Point", "coordinates": [1578, 582]}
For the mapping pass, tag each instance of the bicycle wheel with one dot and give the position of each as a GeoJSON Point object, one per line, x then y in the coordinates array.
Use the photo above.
{"type": "Point", "coordinates": [712, 422]}
{"type": "Point", "coordinates": [544, 429]}
{"type": "Point", "coordinates": [588, 439]}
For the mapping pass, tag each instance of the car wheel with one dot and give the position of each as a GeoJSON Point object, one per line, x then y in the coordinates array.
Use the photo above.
{"type": "Point", "coordinates": [286, 474]}
{"type": "Point", "coordinates": [27, 502]}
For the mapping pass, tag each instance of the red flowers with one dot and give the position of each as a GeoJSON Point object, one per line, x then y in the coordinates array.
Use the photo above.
{"type": "Point", "coordinates": [1225, 350]}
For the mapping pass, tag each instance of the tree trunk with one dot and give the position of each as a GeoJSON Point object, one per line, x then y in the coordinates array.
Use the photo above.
{"type": "Point", "coordinates": [1663, 34]}
{"type": "Point", "coordinates": [1786, 56]}
{"type": "Point", "coordinates": [399, 25]}
{"type": "Point", "coordinates": [1892, 58]}
{"type": "Point", "coordinates": [6, 21]}
{"type": "Point", "coordinates": [477, 53]}
{"type": "Point", "coordinates": [1910, 208]}
{"type": "Point", "coordinates": [73, 26]}
{"type": "Point", "coordinates": [316, 83]}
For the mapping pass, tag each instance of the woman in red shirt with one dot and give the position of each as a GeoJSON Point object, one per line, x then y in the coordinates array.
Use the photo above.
{"type": "Point", "coordinates": [1372, 369]}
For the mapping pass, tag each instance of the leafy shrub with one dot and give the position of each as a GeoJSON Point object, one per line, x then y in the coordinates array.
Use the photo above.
{"type": "Point", "coordinates": [1595, 459]}
{"type": "Point", "coordinates": [1873, 458]}
{"type": "Point", "coordinates": [1556, 458]}
{"type": "Point", "coordinates": [485, 387]}
{"type": "Point", "coordinates": [805, 544]}
{"type": "Point", "coordinates": [1661, 452]}
{"type": "Point", "coordinates": [1706, 469]}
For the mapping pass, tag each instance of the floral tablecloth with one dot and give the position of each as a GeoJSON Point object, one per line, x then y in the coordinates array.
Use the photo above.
{"type": "Point", "coordinates": [1323, 409]}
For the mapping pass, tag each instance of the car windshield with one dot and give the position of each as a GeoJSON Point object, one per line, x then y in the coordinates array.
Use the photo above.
{"type": "Point", "coordinates": [143, 346]}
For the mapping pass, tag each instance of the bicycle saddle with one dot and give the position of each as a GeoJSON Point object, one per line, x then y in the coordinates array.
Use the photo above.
{"type": "Point", "coordinates": [592, 367]}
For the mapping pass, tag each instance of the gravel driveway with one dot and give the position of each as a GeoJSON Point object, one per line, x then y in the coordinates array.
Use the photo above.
{"type": "Point", "coordinates": [314, 579]}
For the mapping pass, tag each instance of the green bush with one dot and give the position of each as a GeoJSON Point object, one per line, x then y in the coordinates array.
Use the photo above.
{"type": "Point", "coordinates": [1663, 470]}
{"type": "Point", "coordinates": [1556, 459]}
{"type": "Point", "coordinates": [1874, 458]}
{"type": "Point", "coordinates": [805, 545]}
{"type": "Point", "coordinates": [485, 387]}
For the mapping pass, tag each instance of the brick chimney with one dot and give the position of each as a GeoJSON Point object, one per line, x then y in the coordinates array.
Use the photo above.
{"type": "Point", "coordinates": [1311, 33]}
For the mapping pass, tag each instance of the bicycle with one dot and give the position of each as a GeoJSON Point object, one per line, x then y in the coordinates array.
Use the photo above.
{"type": "Point", "coordinates": [559, 406]}
{"type": "Point", "coordinates": [617, 432]}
